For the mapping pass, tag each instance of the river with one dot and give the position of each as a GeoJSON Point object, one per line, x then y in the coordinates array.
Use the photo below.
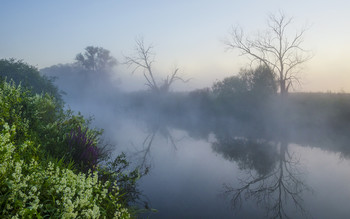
{"type": "Point", "coordinates": [213, 170]}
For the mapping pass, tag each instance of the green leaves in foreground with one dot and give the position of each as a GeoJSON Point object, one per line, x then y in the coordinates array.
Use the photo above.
{"type": "Point", "coordinates": [34, 181]}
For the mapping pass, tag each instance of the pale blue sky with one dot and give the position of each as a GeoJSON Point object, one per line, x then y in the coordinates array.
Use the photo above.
{"type": "Point", "coordinates": [187, 33]}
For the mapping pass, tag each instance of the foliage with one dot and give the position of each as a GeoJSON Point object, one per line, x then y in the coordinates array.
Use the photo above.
{"type": "Point", "coordinates": [40, 117]}
{"type": "Point", "coordinates": [245, 93]}
{"type": "Point", "coordinates": [83, 149]}
{"type": "Point", "coordinates": [42, 173]}
{"type": "Point", "coordinates": [42, 189]}
{"type": "Point", "coordinates": [28, 76]}
{"type": "Point", "coordinates": [113, 171]}
{"type": "Point", "coordinates": [230, 86]}
{"type": "Point", "coordinates": [89, 78]}
{"type": "Point", "coordinates": [96, 59]}
{"type": "Point", "coordinates": [260, 82]}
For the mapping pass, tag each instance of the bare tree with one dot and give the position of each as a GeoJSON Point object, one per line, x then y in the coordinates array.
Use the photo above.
{"type": "Point", "coordinates": [144, 59]}
{"type": "Point", "coordinates": [274, 48]}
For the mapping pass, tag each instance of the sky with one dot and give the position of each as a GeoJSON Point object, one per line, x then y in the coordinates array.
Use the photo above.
{"type": "Point", "coordinates": [185, 34]}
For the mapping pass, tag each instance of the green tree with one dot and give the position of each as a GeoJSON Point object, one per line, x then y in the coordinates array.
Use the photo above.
{"type": "Point", "coordinates": [29, 77]}
{"type": "Point", "coordinates": [260, 81]}
{"type": "Point", "coordinates": [245, 94]}
{"type": "Point", "coordinates": [230, 86]}
{"type": "Point", "coordinates": [96, 59]}
{"type": "Point", "coordinates": [257, 82]}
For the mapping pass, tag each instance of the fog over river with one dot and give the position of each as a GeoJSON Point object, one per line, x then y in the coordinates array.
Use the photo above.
{"type": "Point", "coordinates": [216, 169]}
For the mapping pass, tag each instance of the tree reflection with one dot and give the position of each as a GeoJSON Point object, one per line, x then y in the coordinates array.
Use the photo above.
{"type": "Point", "coordinates": [154, 128]}
{"type": "Point", "coordinates": [273, 179]}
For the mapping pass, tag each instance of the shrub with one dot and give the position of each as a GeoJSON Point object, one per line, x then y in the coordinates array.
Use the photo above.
{"type": "Point", "coordinates": [83, 149]}
{"type": "Point", "coordinates": [43, 189]}
{"type": "Point", "coordinates": [29, 77]}
{"type": "Point", "coordinates": [37, 178]}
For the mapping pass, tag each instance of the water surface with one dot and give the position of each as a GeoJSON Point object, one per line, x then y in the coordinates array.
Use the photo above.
{"type": "Point", "coordinates": [214, 173]}
{"type": "Point", "coordinates": [217, 169]}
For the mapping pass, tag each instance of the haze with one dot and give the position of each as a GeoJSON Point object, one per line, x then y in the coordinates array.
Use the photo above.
{"type": "Point", "coordinates": [199, 119]}
{"type": "Point", "coordinates": [187, 34]}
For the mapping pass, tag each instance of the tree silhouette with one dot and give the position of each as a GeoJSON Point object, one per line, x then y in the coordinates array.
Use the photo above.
{"type": "Point", "coordinates": [144, 59]}
{"type": "Point", "coordinates": [275, 49]}
{"type": "Point", "coordinates": [96, 59]}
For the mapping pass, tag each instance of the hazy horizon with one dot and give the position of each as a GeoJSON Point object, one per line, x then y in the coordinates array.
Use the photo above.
{"type": "Point", "coordinates": [185, 34]}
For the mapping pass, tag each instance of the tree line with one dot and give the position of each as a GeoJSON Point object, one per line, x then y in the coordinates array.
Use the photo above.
{"type": "Point", "coordinates": [278, 48]}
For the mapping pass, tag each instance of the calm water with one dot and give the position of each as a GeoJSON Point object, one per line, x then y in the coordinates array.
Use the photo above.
{"type": "Point", "coordinates": [197, 171]}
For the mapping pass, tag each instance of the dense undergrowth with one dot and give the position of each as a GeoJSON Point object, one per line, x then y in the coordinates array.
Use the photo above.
{"type": "Point", "coordinates": [49, 162]}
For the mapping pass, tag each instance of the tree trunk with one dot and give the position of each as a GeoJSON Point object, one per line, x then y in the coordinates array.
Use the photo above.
{"type": "Point", "coordinates": [284, 90]}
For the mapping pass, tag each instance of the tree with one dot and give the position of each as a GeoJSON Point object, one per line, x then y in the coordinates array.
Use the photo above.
{"type": "Point", "coordinates": [144, 58]}
{"type": "Point", "coordinates": [259, 82]}
{"type": "Point", "coordinates": [29, 77]}
{"type": "Point", "coordinates": [275, 49]}
{"type": "Point", "coordinates": [233, 85]}
{"type": "Point", "coordinates": [91, 76]}
{"type": "Point", "coordinates": [96, 59]}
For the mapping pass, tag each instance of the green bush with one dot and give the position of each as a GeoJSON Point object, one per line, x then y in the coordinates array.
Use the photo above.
{"type": "Point", "coordinates": [29, 76]}
{"type": "Point", "coordinates": [43, 189]}
{"type": "Point", "coordinates": [38, 174]}
{"type": "Point", "coordinates": [42, 118]}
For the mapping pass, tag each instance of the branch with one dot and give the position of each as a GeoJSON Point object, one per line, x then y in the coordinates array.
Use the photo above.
{"type": "Point", "coordinates": [272, 48]}
{"type": "Point", "coordinates": [143, 59]}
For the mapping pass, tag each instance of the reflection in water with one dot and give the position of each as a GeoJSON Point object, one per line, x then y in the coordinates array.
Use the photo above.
{"type": "Point", "coordinates": [274, 176]}
{"type": "Point", "coordinates": [145, 151]}
{"type": "Point", "coordinates": [143, 155]}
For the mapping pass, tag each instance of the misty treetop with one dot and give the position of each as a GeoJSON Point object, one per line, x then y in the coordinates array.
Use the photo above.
{"type": "Point", "coordinates": [92, 74]}
{"type": "Point", "coordinates": [96, 59]}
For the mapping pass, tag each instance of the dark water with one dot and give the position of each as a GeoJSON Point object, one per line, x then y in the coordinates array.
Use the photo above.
{"type": "Point", "coordinates": [215, 170]}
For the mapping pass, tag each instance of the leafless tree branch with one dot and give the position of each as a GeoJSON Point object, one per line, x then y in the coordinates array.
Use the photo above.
{"type": "Point", "coordinates": [274, 48]}
{"type": "Point", "coordinates": [143, 59]}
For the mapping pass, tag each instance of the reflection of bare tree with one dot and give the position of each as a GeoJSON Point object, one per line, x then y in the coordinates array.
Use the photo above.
{"type": "Point", "coordinates": [145, 153]}
{"type": "Point", "coordinates": [274, 189]}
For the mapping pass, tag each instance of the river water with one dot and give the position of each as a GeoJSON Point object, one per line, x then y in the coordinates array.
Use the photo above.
{"type": "Point", "coordinates": [198, 170]}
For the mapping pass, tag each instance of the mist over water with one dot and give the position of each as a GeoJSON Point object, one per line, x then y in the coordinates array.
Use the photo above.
{"type": "Point", "coordinates": [208, 101]}
{"type": "Point", "coordinates": [206, 159]}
